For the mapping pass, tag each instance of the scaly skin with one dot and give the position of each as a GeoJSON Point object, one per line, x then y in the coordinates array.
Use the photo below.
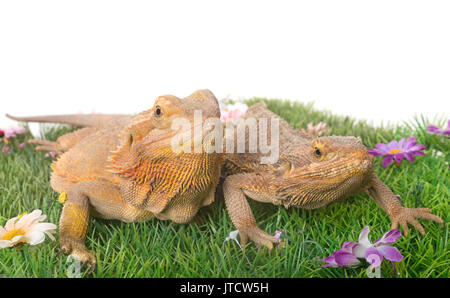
{"type": "Point", "coordinates": [310, 173]}
{"type": "Point", "coordinates": [123, 167]}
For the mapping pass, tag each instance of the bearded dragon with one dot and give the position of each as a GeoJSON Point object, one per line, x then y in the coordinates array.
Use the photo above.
{"type": "Point", "coordinates": [310, 173]}
{"type": "Point", "coordinates": [124, 167]}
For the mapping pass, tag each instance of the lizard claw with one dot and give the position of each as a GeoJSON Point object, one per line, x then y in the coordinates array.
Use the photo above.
{"type": "Point", "coordinates": [86, 258]}
{"type": "Point", "coordinates": [403, 216]}
{"type": "Point", "coordinates": [258, 236]}
{"type": "Point", "coordinates": [80, 253]}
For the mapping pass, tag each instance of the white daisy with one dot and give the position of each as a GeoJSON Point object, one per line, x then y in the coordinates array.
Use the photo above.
{"type": "Point", "coordinates": [27, 228]}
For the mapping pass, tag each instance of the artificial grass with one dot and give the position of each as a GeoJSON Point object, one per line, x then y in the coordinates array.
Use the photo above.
{"type": "Point", "coordinates": [164, 249]}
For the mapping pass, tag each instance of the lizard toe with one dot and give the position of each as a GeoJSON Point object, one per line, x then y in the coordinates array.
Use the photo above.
{"type": "Point", "coordinates": [258, 236]}
{"type": "Point", "coordinates": [406, 216]}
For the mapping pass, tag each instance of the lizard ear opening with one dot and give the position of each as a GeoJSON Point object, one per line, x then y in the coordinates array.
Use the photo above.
{"type": "Point", "coordinates": [123, 157]}
{"type": "Point", "coordinates": [130, 140]}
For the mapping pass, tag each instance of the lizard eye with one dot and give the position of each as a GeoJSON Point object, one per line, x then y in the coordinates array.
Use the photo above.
{"type": "Point", "coordinates": [317, 152]}
{"type": "Point", "coordinates": [158, 111]}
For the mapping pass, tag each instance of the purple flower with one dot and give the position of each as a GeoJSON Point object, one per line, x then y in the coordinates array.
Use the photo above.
{"type": "Point", "coordinates": [433, 129]}
{"type": "Point", "coordinates": [396, 151]}
{"type": "Point", "coordinates": [352, 251]}
{"type": "Point", "coordinates": [374, 252]}
{"type": "Point", "coordinates": [343, 257]}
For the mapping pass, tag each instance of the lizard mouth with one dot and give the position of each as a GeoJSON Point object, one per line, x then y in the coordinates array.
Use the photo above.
{"type": "Point", "coordinates": [335, 181]}
{"type": "Point", "coordinates": [358, 164]}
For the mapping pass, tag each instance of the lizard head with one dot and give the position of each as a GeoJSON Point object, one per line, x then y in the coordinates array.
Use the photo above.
{"type": "Point", "coordinates": [153, 173]}
{"type": "Point", "coordinates": [168, 108]}
{"type": "Point", "coordinates": [332, 168]}
{"type": "Point", "coordinates": [154, 128]}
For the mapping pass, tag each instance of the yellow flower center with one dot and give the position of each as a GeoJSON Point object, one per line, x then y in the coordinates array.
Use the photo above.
{"type": "Point", "coordinates": [393, 151]}
{"type": "Point", "coordinates": [13, 233]}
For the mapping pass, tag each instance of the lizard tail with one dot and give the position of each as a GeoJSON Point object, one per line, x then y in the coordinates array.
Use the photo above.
{"type": "Point", "coordinates": [78, 120]}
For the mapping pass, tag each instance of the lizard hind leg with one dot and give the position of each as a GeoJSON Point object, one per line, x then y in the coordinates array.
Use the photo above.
{"type": "Point", "coordinates": [241, 215]}
{"type": "Point", "coordinates": [64, 142]}
{"type": "Point", "coordinates": [44, 145]}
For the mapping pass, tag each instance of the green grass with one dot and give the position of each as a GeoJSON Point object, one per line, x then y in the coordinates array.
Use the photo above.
{"type": "Point", "coordinates": [163, 249]}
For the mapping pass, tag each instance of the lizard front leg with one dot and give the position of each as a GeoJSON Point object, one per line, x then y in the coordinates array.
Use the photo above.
{"type": "Point", "coordinates": [97, 198]}
{"type": "Point", "coordinates": [234, 188]}
{"type": "Point", "coordinates": [73, 225]}
{"type": "Point", "coordinates": [388, 201]}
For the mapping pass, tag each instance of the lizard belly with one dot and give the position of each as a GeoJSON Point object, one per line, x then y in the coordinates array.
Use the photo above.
{"type": "Point", "coordinates": [182, 209]}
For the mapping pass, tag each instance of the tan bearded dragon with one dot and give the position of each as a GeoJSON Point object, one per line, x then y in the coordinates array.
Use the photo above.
{"type": "Point", "coordinates": [123, 167]}
{"type": "Point", "coordinates": [310, 173]}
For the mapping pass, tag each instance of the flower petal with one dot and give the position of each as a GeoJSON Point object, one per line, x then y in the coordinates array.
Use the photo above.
{"type": "Point", "coordinates": [348, 246]}
{"type": "Point", "coordinates": [410, 143]}
{"type": "Point", "coordinates": [390, 253]}
{"type": "Point", "coordinates": [374, 257]}
{"type": "Point", "coordinates": [410, 156]}
{"type": "Point", "coordinates": [382, 147]}
{"type": "Point", "coordinates": [376, 152]}
{"type": "Point", "coordinates": [401, 143]}
{"type": "Point", "coordinates": [16, 239]}
{"type": "Point", "coordinates": [10, 224]}
{"type": "Point", "coordinates": [35, 238]}
{"type": "Point", "coordinates": [433, 129]}
{"type": "Point", "coordinates": [345, 259]}
{"type": "Point", "coordinates": [389, 237]}
{"type": "Point", "coordinates": [392, 145]}
{"type": "Point", "coordinates": [49, 234]}
{"type": "Point", "coordinates": [331, 262]}
{"type": "Point", "coordinates": [398, 157]}
{"type": "Point", "coordinates": [43, 226]}
{"type": "Point", "coordinates": [5, 243]}
{"type": "Point", "coordinates": [386, 161]}
{"type": "Point", "coordinates": [364, 236]}
{"type": "Point", "coordinates": [417, 148]}
{"type": "Point", "coordinates": [359, 251]}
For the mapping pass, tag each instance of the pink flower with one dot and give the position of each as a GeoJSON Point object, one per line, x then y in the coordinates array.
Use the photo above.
{"type": "Point", "coordinates": [2, 133]}
{"type": "Point", "coordinates": [52, 154]}
{"type": "Point", "coordinates": [433, 129]}
{"type": "Point", "coordinates": [234, 111]}
{"type": "Point", "coordinates": [396, 151]}
{"type": "Point", "coordinates": [6, 149]}
{"type": "Point", "coordinates": [315, 131]}
{"type": "Point", "coordinates": [12, 132]}
{"type": "Point", "coordinates": [280, 240]}
{"type": "Point", "coordinates": [22, 145]}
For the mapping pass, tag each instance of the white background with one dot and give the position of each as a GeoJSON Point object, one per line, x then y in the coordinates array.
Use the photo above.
{"type": "Point", "coordinates": [378, 60]}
